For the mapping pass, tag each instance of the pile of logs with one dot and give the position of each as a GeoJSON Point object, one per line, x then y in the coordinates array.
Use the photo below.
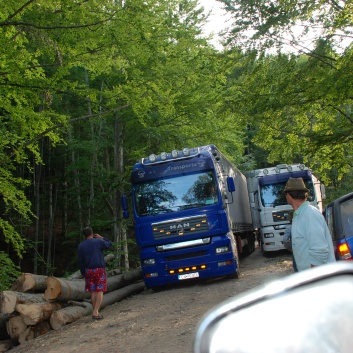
{"type": "Point", "coordinates": [37, 304]}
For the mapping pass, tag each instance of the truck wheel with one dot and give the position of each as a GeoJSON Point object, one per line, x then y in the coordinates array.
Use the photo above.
{"type": "Point", "coordinates": [263, 252]}
{"type": "Point", "coordinates": [234, 275]}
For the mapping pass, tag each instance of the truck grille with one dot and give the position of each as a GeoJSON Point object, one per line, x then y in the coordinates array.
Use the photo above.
{"type": "Point", "coordinates": [180, 227]}
{"type": "Point", "coordinates": [280, 216]}
{"type": "Point", "coordinates": [186, 256]}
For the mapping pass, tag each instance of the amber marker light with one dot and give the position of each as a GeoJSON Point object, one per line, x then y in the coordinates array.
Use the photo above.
{"type": "Point", "coordinates": [344, 252]}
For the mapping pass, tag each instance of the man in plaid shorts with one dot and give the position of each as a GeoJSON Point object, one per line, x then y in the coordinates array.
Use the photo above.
{"type": "Point", "coordinates": [92, 267]}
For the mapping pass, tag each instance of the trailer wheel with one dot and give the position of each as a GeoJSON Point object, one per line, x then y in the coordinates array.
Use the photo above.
{"type": "Point", "coordinates": [250, 247]}
{"type": "Point", "coordinates": [239, 244]}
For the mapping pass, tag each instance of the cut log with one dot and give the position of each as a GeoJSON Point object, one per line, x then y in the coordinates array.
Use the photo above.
{"type": "Point", "coordinates": [29, 282]}
{"type": "Point", "coordinates": [77, 274]}
{"type": "Point", "coordinates": [119, 281]}
{"type": "Point", "coordinates": [9, 300]}
{"type": "Point", "coordinates": [34, 331]}
{"type": "Point", "coordinates": [5, 317]}
{"type": "Point", "coordinates": [41, 328]}
{"type": "Point", "coordinates": [63, 290]}
{"type": "Point", "coordinates": [26, 335]}
{"type": "Point", "coordinates": [70, 314]}
{"type": "Point", "coordinates": [115, 272]}
{"type": "Point", "coordinates": [5, 345]}
{"type": "Point", "coordinates": [15, 326]}
{"type": "Point", "coordinates": [32, 313]}
{"type": "Point", "coordinates": [120, 294]}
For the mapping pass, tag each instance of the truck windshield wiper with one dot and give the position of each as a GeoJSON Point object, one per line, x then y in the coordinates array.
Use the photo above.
{"type": "Point", "coordinates": [185, 207]}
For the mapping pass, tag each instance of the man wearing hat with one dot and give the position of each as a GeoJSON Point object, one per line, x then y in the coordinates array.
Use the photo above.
{"type": "Point", "coordinates": [311, 238]}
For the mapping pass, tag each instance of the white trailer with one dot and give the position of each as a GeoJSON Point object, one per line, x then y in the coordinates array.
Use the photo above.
{"type": "Point", "coordinates": [238, 207]}
{"type": "Point", "coordinates": [268, 203]}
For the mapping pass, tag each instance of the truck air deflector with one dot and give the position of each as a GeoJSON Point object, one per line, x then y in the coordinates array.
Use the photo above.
{"type": "Point", "coordinates": [281, 178]}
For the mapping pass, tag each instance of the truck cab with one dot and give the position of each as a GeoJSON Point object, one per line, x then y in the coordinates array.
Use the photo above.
{"type": "Point", "coordinates": [269, 206]}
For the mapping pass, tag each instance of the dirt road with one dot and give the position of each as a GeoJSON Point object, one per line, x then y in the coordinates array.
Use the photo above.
{"type": "Point", "coordinates": [158, 322]}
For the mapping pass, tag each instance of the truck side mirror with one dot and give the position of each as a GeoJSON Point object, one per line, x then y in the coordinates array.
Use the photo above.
{"type": "Point", "coordinates": [323, 191]}
{"type": "Point", "coordinates": [230, 184]}
{"type": "Point", "coordinates": [124, 206]}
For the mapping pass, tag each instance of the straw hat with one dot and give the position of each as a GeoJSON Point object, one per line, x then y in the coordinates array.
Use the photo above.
{"type": "Point", "coordinates": [295, 184]}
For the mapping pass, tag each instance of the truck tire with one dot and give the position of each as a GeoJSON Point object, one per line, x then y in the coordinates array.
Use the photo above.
{"type": "Point", "coordinates": [235, 275]}
{"type": "Point", "coordinates": [250, 247]}
{"type": "Point", "coordinates": [239, 244]}
{"type": "Point", "coordinates": [263, 252]}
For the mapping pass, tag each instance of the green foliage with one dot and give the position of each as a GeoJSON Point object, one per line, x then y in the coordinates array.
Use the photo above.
{"type": "Point", "coordinates": [282, 24]}
{"type": "Point", "coordinates": [9, 272]}
{"type": "Point", "coordinates": [299, 109]}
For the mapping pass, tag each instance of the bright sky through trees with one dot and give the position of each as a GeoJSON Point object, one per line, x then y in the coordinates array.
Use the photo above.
{"type": "Point", "coordinates": [217, 20]}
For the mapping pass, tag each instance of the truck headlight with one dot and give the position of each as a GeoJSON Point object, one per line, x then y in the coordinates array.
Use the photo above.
{"type": "Point", "coordinates": [268, 235]}
{"type": "Point", "coordinates": [149, 262]}
{"type": "Point", "coordinates": [222, 249]}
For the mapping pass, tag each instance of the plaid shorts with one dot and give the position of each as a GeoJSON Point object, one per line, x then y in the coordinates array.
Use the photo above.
{"type": "Point", "coordinates": [95, 280]}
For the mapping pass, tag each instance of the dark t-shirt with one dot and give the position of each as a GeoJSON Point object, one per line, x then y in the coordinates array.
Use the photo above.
{"type": "Point", "coordinates": [90, 253]}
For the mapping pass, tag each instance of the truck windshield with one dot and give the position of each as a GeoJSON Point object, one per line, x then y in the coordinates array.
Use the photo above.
{"type": "Point", "coordinates": [347, 217]}
{"type": "Point", "coordinates": [272, 194]}
{"type": "Point", "coordinates": [175, 194]}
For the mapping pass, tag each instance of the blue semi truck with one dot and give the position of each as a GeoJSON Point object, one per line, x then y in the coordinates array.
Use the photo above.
{"type": "Point", "coordinates": [192, 215]}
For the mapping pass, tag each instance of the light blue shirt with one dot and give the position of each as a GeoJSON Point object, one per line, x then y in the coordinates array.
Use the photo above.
{"type": "Point", "coordinates": [311, 238]}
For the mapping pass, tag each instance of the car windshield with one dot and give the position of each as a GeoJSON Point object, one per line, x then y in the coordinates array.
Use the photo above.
{"type": "Point", "coordinates": [175, 194]}
{"type": "Point", "coordinates": [273, 195]}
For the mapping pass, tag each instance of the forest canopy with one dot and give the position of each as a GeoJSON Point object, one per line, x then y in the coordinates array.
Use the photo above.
{"type": "Point", "coordinates": [89, 87]}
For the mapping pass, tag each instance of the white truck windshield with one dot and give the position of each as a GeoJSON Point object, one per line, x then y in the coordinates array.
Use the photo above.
{"type": "Point", "coordinates": [272, 194]}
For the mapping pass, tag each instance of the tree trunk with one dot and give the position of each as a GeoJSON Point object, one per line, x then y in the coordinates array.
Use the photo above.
{"type": "Point", "coordinates": [34, 331]}
{"type": "Point", "coordinates": [5, 345]}
{"type": "Point", "coordinates": [29, 282]}
{"type": "Point", "coordinates": [64, 316]}
{"type": "Point", "coordinates": [124, 279]}
{"type": "Point", "coordinates": [33, 313]}
{"type": "Point", "coordinates": [77, 274]}
{"type": "Point", "coordinates": [9, 300]}
{"type": "Point", "coordinates": [15, 327]}
{"type": "Point", "coordinates": [5, 317]}
{"type": "Point", "coordinates": [61, 289]}
{"type": "Point", "coordinates": [120, 294]}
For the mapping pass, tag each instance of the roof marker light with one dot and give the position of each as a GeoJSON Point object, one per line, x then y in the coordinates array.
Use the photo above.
{"type": "Point", "coordinates": [174, 153]}
{"type": "Point", "coordinates": [186, 152]}
{"type": "Point", "coordinates": [152, 157]}
{"type": "Point", "coordinates": [164, 156]}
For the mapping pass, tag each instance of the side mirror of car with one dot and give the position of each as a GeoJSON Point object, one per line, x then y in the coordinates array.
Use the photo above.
{"type": "Point", "coordinates": [309, 311]}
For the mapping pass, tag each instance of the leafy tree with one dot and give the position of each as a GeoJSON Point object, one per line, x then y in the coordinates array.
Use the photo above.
{"type": "Point", "coordinates": [289, 24]}
{"type": "Point", "coordinates": [9, 272]}
{"type": "Point", "coordinates": [86, 89]}
{"type": "Point", "coordinates": [298, 106]}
